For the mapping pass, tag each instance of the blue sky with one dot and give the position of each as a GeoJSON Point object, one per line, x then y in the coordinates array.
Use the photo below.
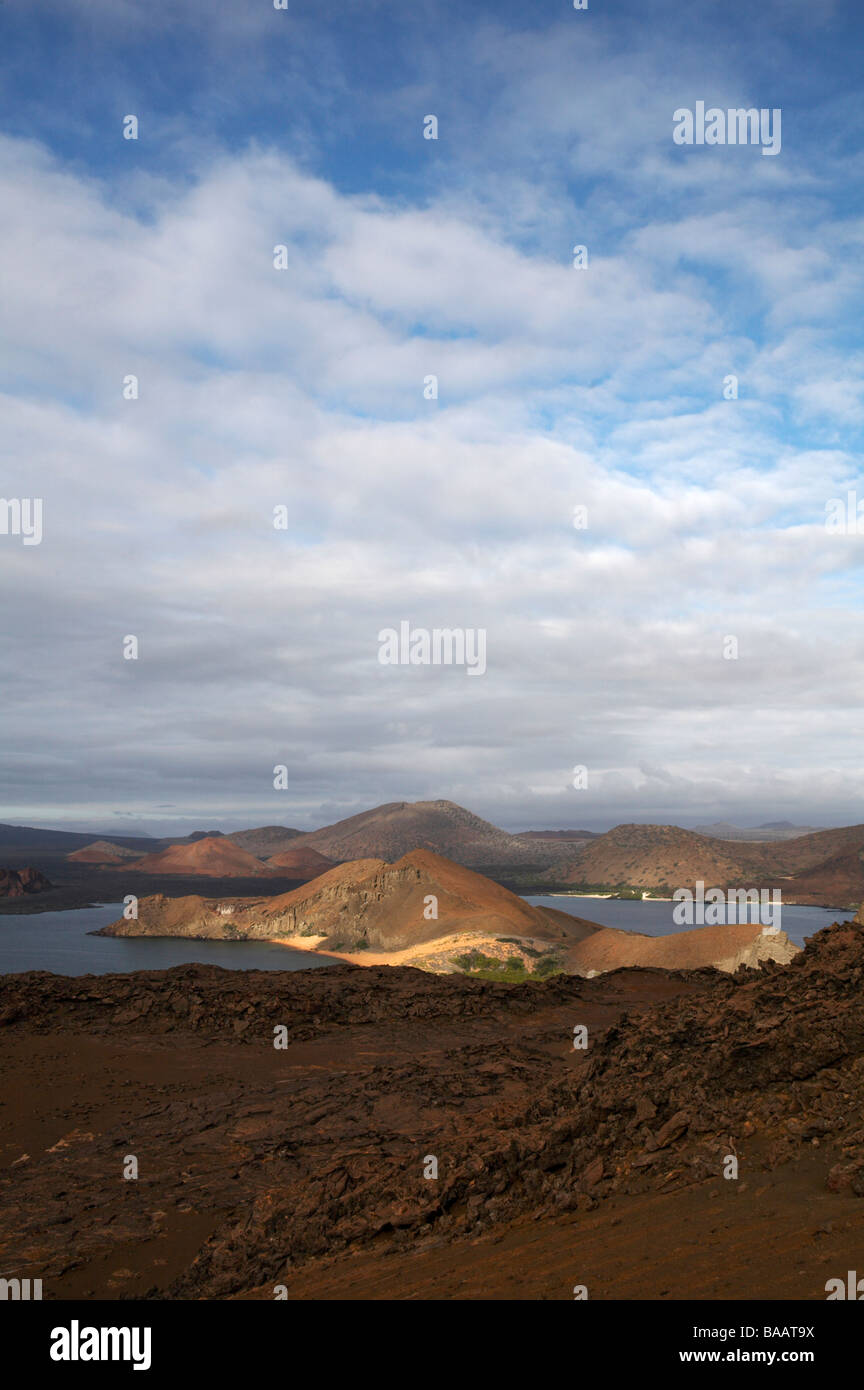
{"type": "Point", "coordinates": [304, 388]}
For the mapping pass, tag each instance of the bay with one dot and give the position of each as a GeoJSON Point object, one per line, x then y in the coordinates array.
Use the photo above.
{"type": "Point", "coordinates": [653, 917]}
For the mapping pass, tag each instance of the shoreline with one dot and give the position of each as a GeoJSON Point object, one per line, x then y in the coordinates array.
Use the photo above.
{"type": "Point", "coordinates": [607, 897]}
{"type": "Point", "coordinates": [456, 942]}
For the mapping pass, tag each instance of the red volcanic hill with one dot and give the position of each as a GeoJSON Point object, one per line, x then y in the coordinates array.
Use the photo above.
{"type": "Point", "coordinates": [300, 863]}
{"type": "Point", "coordinates": [215, 857]}
{"type": "Point", "coordinates": [103, 852]}
{"type": "Point", "coordinates": [363, 903]}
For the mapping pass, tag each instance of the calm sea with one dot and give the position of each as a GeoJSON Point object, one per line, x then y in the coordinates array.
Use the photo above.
{"type": "Point", "coordinates": [58, 941]}
{"type": "Point", "coordinates": [655, 918]}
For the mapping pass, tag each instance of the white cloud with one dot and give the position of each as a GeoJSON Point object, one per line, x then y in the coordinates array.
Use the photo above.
{"type": "Point", "coordinates": [304, 387]}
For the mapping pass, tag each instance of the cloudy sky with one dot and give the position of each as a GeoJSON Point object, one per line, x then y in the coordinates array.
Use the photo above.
{"type": "Point", "coordinates": [302, 388]}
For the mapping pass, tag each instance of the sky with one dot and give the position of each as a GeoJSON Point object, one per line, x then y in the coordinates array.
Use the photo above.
{"type": "Point", "coordinates": [689, 650]}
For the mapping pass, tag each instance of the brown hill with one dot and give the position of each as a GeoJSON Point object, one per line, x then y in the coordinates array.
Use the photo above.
{"type": "Point", "coordinates": [822, 868]}
{"type": "Point", "coordinates": [360, 904]}
{"type": "Point", "coordinates": [213, 857]}
{"type": "Point", "coordinates": [654, 856]}
{"type": "Point", "coordinates": [266, 841]}
{"type": "Point", "coordinates": [808, 851]}
{"type": "Point", "coordinates": [770, 831]}
{"type": "Point", "coordinates": [723, 947]}
{"type": "Point", "coordinates": [300, 863]}
{"type": "Point", "coordinates": [388, 832]}
{"type": "Point", "coordinates": [103, 852]}
{"type": "Point", "coordinates": [838, 881]}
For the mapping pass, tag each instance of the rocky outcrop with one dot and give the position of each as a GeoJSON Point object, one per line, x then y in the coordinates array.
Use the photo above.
{"type": "Point", "coordinates": [17, 883]}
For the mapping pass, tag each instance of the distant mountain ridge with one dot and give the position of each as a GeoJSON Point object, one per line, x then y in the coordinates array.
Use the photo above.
{"type": "Point", "coordinates": [824, 867]}
{"type": "Point", "coordinates": [770, 831]}
{"type": "Point", "coordinates": [558, 834]}
{"type": "Point", "coordinates": [13, 837]}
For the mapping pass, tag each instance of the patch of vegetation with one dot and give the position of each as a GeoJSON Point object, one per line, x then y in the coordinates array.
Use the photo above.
{"type": "Point", "coordinates": [475, 960]}
{"type": "Point", "coordinates": [513, 970]}
{"type": "Point", "coordinates": [548, 966]}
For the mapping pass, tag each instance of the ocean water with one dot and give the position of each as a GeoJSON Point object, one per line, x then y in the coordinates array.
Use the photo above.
{"type": "Point", "coordinates": [58, 941]}
{"type": "Point", "coordinates": [654, 918]}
